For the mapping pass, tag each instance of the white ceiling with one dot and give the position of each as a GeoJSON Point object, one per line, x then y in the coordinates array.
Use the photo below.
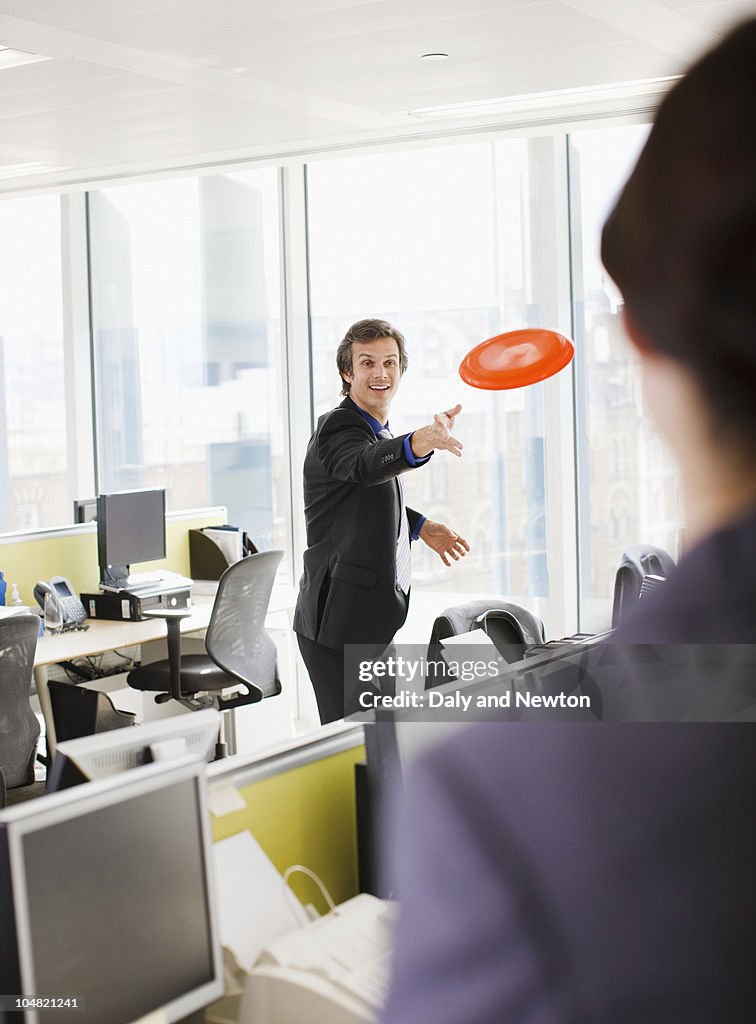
{"type": "Point", "coordinates": [137, 85]}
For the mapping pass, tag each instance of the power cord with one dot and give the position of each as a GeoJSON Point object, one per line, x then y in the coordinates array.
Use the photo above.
{"type": "Point", "coordinates": [290, 894]}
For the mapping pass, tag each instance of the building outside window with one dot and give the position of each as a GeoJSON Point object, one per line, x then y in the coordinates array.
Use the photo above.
{"type": "Point", "coordinates": [623, 468]}
{"type": "Point", "coordinates": [35, 490]}
{"type": "Point", "coordinates": [189, 370]}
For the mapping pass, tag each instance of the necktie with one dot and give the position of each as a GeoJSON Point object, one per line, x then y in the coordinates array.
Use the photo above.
{"type": "Point", "coordinates": [403, 554]}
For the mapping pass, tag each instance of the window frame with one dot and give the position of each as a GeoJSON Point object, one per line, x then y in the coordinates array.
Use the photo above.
{"type": "Point", "coordinates": [563, 465]}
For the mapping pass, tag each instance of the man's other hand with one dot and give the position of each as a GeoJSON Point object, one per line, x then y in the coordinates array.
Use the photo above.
{"type": "Point", "coordinates": [445, 542]}
{"type": "Point", "coordinates": [437, 434]}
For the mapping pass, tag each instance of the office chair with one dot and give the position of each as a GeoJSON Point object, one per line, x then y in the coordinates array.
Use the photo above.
{"type": "Point", "coordinates": [240, 654]}
{"type": "Point", "coordinates": [78, 711]}
{"type": "Point", "coordinates": [512, 628]}
{"type": "Point", "coordinates": [638, 562]}
{"type": "Point", "coordinates": [19, 728]}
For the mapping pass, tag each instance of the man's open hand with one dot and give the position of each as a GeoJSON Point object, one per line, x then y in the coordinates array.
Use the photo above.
{"type": "Point", "coordinates": [445, 542]}
{"type": "Point", "coordinates": [437, 435]}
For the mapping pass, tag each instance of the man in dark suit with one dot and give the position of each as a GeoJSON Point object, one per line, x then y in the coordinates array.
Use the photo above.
{"type": "Point", "coordinates": [567, 873]}
{"type": "Point", "coordinates": [356, 580]}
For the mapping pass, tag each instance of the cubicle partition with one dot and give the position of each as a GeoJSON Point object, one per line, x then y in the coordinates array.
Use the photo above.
{"type": "Point", "coordinates": [298, 802]}
{"type": "Point", "coordinates": [72, 551]}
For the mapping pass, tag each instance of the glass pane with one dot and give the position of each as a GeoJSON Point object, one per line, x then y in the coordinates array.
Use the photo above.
{"type": "Point", "coordinates": [189, 367]}
{"type": "Point", "coordinates": [440, 242]}
{"type": "Point", "coordinates": [628, 486]}
{"type": "Point", "coordinates": [34, 484]}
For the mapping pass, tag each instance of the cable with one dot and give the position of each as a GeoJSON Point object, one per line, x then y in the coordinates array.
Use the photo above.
{"type": "Point", "coordinates": [318, 881]}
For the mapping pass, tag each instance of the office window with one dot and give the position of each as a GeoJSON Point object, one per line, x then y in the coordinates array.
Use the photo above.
{"type": "Point", "coordinates": [189, 371]}
{"type": "Point", "coordinates": [444, 243]}
{"type": "Point", "coordinates": [627, 484]}
{"type": "Point", "coordinates": [34, 484]}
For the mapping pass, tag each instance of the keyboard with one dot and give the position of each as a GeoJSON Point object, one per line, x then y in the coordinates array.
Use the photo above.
{"type": "Point", "coordinates": [115, 583]}
{"type": "Point", "coordinates": [140, 581]}
{"type": "Point", "coordinates": [552, 646]}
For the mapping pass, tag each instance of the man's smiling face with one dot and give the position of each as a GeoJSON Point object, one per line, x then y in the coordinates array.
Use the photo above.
{"type": "Point", "coordinates": [375, 375]}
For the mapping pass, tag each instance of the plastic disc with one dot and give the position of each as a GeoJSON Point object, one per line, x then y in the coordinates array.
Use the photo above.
{"type": "Point", "coordinates": [515, 359]}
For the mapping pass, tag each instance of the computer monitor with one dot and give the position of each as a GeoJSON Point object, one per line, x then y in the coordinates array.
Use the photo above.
{"type": "Point", "coordinates": [394, 738]}
{"type": "Point", "coordinates": [84, 510]}
{"type": "Point", "coordinates": [106, 899]}
{"type": "Point", "coordinates": [107, 753]}
{"type": "Point", "coordinates": [130, 528]}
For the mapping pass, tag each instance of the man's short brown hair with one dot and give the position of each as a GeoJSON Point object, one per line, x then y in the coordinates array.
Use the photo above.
{"type": "Point", "coordinates": [366, 330]}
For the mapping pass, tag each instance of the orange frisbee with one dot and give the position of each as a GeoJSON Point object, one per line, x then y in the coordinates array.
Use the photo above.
{"type": "Point", "coordinates": [515, 359]}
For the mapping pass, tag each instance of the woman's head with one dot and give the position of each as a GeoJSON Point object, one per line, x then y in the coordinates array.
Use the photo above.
{"type": "Point", "coordinates": [681, 240]}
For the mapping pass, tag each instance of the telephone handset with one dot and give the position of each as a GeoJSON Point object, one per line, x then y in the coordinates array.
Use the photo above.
{"type": "Point", "coordinates": [72, 611]}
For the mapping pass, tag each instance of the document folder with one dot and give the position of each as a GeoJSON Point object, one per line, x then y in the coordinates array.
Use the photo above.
{"type": "Point", "coordinates": [207, 559]}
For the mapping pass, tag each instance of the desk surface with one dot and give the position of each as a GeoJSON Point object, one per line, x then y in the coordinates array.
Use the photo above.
{"type": "Point", "coordinates": [106, 635]}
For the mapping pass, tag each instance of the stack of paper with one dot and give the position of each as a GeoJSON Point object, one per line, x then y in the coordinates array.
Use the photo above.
{"type": "Point", "coordinates": [228, 540]}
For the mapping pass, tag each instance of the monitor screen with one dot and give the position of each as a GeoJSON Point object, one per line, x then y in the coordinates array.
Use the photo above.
{"type": "Point", "coordinates": [108, 753]}
{"type": "Point", "coordinates": [130, 527]}
{"type": "Point", "coordinates": [106, 899]}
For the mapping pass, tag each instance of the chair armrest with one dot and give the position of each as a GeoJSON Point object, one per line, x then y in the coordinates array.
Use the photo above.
{"type": "Point", "coordinates": [173, 617]}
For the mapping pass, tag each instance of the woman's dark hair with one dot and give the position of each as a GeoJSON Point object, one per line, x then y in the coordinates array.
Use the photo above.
{"type": "Point", "coordinates": [366, 330]}
{"type": "Point", "coordinates": [681, 240]}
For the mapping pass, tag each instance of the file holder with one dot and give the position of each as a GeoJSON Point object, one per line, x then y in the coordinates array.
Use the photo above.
{"type": "Point", "coordinates": [206, 560]}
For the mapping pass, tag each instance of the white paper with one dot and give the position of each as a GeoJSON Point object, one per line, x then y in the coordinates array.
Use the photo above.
{"type": "Point", "coordinates": [253, 906]}
{"type": "Point", "coordinates": [229, 541]}
{"type": "Point", "coordinates": [16, 609]}
{"type": "Point", "coordinates": [475, 636]}
{"type": "Point", "coordinates": [224, 799]}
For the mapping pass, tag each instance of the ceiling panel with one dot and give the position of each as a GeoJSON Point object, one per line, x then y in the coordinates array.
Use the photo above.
{"type": "Point", "coordinates": [141, 84]}
{"type": "Point", "coordinates": [203, 36]}
{"type": "Point", "coordinates": [50, 74]}
{"type": "Point", "coordinates": [80, 94]}
{"type": "Point", "coordinates": [522, 74]}
{"type": "Point", "coordinates": [305, 69]}
{"type": "Point", "coordinates": [137, 23]}
{"type": "Point", "coordinates": [716, 16]}
{"type": "Point", "coordinates": [383, 49]}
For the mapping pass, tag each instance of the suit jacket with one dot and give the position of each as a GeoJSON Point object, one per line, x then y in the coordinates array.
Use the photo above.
{"type": "Point", "coordinates": [590, 873]}
{"type": "Point", "coordinates": [348, 591]}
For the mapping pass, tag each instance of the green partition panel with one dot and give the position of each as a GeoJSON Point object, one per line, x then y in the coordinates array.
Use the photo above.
{"type": "Point", "coordinates": [73, 553]}
{"type": "Point", "coordinates": [305, 815]}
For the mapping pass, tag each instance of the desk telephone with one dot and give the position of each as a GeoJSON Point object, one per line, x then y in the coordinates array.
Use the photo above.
{"type": "Point", "coordinates": [72, 611]}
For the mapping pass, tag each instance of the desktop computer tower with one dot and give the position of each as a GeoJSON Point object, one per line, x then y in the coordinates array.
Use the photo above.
{"type": "Point", "coordinates": [125, 605]}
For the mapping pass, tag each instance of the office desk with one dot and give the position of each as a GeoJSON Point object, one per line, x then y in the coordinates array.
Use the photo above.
{"type": "Point", "coordinates": [102, 636]}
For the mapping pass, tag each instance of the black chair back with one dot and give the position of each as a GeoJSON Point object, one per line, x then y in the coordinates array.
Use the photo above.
{"type": "Point", "coordinates": [19, 728]}
{"type": "Point", "coordinates": [638, 561]}
{"type": "Point", "coordinates": [511, 627]}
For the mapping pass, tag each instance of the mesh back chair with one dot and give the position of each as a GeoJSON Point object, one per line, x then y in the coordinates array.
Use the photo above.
{"type": "Point", "coordinates": [78, 711]}
{"type": "Point", "coordinates": [638, 562]}
{"type": "Point", "coordinates": [512, 628]}
{"type": "Point", "coordinates": [19, 728]}
{"type": "Point", "coordinates": [240, 654]}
